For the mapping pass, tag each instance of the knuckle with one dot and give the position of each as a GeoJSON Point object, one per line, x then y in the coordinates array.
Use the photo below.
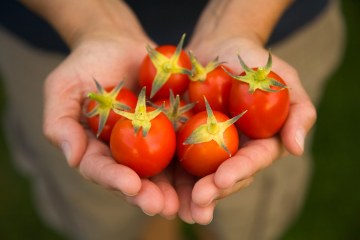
{"type": "Point", "coordinates": [311, 114]}
{"type": "Point", "coordinates": [47, 131]}
{"type": "Point", "coordinates": [257, 158]}
{"type": "Point", "coordinates": [266, 156]}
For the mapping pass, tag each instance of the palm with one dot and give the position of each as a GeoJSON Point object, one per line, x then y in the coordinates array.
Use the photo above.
{"type": "Point", "coordinates": [65, 90]}
{"type": "Point", "coordinates": [198, 197]}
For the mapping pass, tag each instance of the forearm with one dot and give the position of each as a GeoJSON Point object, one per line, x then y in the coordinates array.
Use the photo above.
{"type": "Point", "coordinates": [254, 19]}
{"type": "Point", "coordinates": [74, 20]}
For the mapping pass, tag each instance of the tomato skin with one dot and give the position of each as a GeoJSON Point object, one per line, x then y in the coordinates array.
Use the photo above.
{"type": "Point", "coordinates": [125, 96]}
{"type": "Point", "coordinates": [182, 103]}
{"type": "Point", "coordinates": [204, 158]}
{"type": "Point", "coordinates": [177, 82]}
{"type": "Point", "coordinates": [267, 111]}
{"type": "Point", "coordinates": [146, 156]}
{"type": "Point", "coordinates": [216, 88]}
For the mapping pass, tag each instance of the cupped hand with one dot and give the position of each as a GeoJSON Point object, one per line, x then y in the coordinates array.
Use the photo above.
{"type": "Point", "coordinates": [198, 197]}
{"type": "Point", "coordinates": [108, 58]}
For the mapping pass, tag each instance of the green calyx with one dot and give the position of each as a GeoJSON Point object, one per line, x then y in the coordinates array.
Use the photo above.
{"type": "Point", "coordinates": [106, 102]}
{"type": "Point", "coordinates": [198, 72]}
{"type": "Point", "coordinates": [165, 66]}
{"type": "Point", "coordinates": [141, 118]}
{"type": "Point", "coordinates": [175, 112]}
{"type": "Point", "coordinates": [212, 130]}
{"type": "Point", "coordinates": [258, 79]}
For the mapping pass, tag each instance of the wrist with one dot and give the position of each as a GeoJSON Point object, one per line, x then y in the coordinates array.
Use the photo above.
{"type": "Point", "coordinates": [78, 20]}
{"type": "Point", "coordinates": [254, 19]}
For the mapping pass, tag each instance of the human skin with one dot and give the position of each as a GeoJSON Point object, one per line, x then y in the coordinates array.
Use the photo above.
{"type": "Point", "coordinates": [105, 45]}
{"type": "Point", "coordinates": [107, 34]}
{"type": "Point", "coordinates": [220, 31]}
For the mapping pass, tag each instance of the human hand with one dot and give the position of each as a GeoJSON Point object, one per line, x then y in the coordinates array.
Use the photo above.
{"type": "Point", "coordinates": [108, 58]}
{"type": "Point", "coordinates": [198, 197]}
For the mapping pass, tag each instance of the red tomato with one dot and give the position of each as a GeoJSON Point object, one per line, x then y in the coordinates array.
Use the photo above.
{"type": "Point", "coordinates": [177, 82]}
{"type": "Point", "coordinates": [149, 155]}
{"type": "Point", "coordinates": [267, 111]}
{"type": "Point", "coordinates": [204, 158]}
{"type": "Point", "coordinates": [186, 114]}
{"type": "Point", "coordinates": [216, 89]}
{"type": "Point", "coordinates": [125, 96]}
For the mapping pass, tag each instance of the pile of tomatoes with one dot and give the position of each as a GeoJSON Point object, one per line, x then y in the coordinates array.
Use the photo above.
{"type": "Point", "coordinates": [147, 132]}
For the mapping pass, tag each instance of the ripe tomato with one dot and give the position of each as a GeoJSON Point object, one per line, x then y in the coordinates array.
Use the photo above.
{"type": "Point", "coordinates": [267, 101]}
{"type": "Point", "coordinates": [109, 118]}
{"type": "Point", "coordinates": [146, 142]}
{"type": "Point", "coordinates": [267, 111]}
{"type": "Point", "coordinates": [176, 110]}
{"type": "Point", "coordinates": [215, 87]}
{"type": "Point", "coordinates": [205, 141]}
{"type": "Point", "coordinates": [170, 71]}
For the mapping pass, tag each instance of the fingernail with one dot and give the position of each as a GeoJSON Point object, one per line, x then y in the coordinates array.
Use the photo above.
{"type": "Point", "coordinates": [208, 222]}
{"type": "Point", "coordinates": [65, 148]}
{"type": "Point", "coordinates": [130, 195]}
{"type": "Point", "coordinates": [168, 217]}
{"type": "Point", "coordinates": [300, 138]}
{"type": "Point", "coordinates": [148, 213]}
{"type": "Point", "coordinates": [215, 196]}
{"type": "Point", "coordinates": [233, 184]}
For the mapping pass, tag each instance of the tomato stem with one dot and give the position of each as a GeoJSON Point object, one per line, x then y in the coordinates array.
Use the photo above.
{"type": "Point", "coordinates": [174, 106]}
{"type": "Point", "coordinates": [199, 72]}
{"type": "Point", "coordinates": [260, 74]}
{"type": "Point", "coordinates": [167, 67]}
{"type": "Point", "coordinates": [213, 126]}
{"type": "Point", "coordinates": [107, 101]}
{"type": "Point", "coordinates": [175, 112]}
{"type": "Point", "coordinates": [257, 79]}
{"type": "Point", "coordinates": [212, 130]}
{"type": "Point", "coordinates": [104, 101]}
{"type": "Point", "coordinates": [141, 118]}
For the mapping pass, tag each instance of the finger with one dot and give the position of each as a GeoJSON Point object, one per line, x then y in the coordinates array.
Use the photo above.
{"type": "Point", "coordinates": [206, 191]}
{"type": "Point", "coordinates": [171, 200]}
{"type": "Point", "coordinates": [150, 198]}
{"type": "Point", "coordinates": [61, 125]}
{"type": "Point", "coordinates": [254, 156]}
{"type": "Point", "coordinates": [184, 183]}
{"type": "Point", "coordinates": [99, 167]}
{"type": "Point", "coordinates": [302, 113]}
{"type": "Point", "coordinates": [68, 135]}
{"type": "Point", "coordinates": [202, 215]}
{"type": "Point", "coordinates": [236, 187]}
{"type": "Point", "coordinates": [301, 118]}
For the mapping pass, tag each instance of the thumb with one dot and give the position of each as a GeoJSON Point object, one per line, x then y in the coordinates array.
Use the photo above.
{"type": "Point", "coordinates": [61, 127]}
{"type": "Point", "coordinates": [301, 118]}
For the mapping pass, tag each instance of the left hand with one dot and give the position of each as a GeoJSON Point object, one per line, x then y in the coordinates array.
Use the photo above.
{"type": "Point", "coordinates": [198, 197]}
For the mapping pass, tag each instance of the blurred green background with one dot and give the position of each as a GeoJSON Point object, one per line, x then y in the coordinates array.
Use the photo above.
{"type": "Point", "coordinates": [332, 209]}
